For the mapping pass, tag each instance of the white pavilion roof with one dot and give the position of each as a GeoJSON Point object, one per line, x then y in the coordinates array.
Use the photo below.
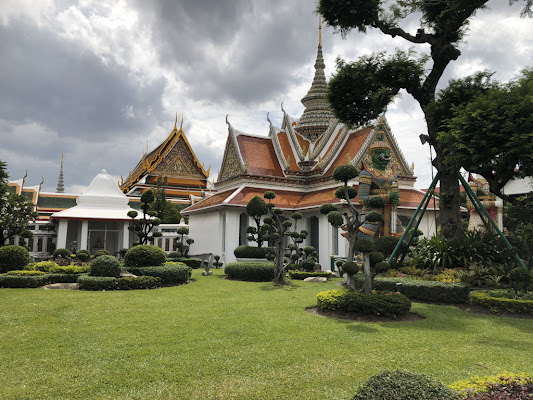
{"type": "Point", "coordinates": [102, 200]}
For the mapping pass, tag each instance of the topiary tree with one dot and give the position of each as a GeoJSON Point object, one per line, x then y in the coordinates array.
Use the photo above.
{"type": "Point", "coordinates": [13, 258]}
{"type": "Point", "coordinates": [61, 253]}
{"type": "Point", "coordinates": [351, 220]}
{"type": "Point", "coordinates": [83, 255]}
{"type": "Point", "coordinates": [256, 208]}
{"type": "Point", "coordinates": [217, 264]}
{"type": "Point", "coordinates": [144, 226]}
{"type": "Point", "coordinates": [180, 242]}
{"type": "Point", "coordinates": [274, 229]}
{"type": "Point", "coordinates": [144, 255]}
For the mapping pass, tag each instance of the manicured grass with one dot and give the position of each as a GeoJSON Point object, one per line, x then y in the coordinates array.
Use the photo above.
{"type": "Point", "coordinates": [221, 339]}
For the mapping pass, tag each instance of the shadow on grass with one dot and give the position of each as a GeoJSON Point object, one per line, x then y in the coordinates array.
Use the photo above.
{"type": "Point", "coordinates": [269, 287]}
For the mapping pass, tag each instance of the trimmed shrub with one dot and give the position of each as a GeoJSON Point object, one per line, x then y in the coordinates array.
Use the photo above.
{"type": "Point", "coordinates": [386, 244]}
{"type": "Point", "coordinates": [83, 255]}
{"type": "Point", "coordinates": [376, 304]}
{"type": "Point", "coordinates": [194, 263]}
{"type": "Point", "coordinates": [174, 274]}
{"type": "Point", "coordinates": [252, 251]}
{"type": "Point", "coordinates": [144, 255]}
{"type": "Point", "coordinates": [139, 282]}
{"type": "Point", "coordinates": [401, 385]}
{"type": "Point", "coordinates": [99, 253]}
{"type": "Point", "coordinates": [304, 274]}
{"type": "Point", "coordinates": [105, 266]}
{"type": "Point", "coordinates": [438, 292]}
{"type": "Point", "coordinates": [13, 281]}
{"type": "Point", "coordinates": [97, 282]}
{"type": "Point", "coordinates": [250, 271]}
{"type": "Point", "coordinates": [63, 253]}
{"type": "Point", "coordinates": [174, 254]}
{"type": "Point", "coordinates": [483, 384]}
{"type": "Point", "coordinates": [25, 272]}
{"type": "Point", "coordinates": [44, 266]}
{"type": "Point", "coordinates": [498, 300]}
{"type": "Point", "coordinates": [63, 278]}
{"type": "Point", "coordinates": [69, 269]}
{"type": "Point", "coordinates": [13, 257]}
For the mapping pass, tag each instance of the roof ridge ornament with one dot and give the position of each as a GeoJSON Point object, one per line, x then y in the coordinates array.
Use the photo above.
{"type": "Point", "coordinates": [181, 125]}
{"type": "Point", "coordinates": [227, 122]}
{"type": "Point", "coordinates": [282, 109]}
{"type": "Point", "coordinates": [60, 184]}
{"type": "Point", "coordinates": [176, 122]}
{"type": "Point", "coordinates": [268, 118]}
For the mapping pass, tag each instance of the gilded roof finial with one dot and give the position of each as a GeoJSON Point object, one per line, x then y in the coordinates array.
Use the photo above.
{"type": "Point", "coordinates": [320, 30]}
{"type": "Point", "coordinates": [176, 122]}
{"type": "Point", "coordinates": [181, 126]}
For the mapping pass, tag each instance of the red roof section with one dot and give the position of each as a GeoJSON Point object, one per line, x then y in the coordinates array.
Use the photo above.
{"type": "Point", "coordinates": [352, 147]}
{"type": "Point", "coordinates": [285, 145]}
{"type": "Point", "coordinates": [260, 155]}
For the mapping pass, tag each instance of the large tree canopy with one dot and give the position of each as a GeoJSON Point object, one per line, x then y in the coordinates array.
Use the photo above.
{"type": "Point", "coordinates": [361, 90]}
{"type": "Point", "coordinates": [489, 127]}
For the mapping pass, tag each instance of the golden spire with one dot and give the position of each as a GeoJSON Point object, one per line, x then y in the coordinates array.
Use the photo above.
{"type": "Point", "coordinates": [320, 30]}
{"type": "Point", "coordinates": [176, 123]}
{"type": "Point", "coordinates": [181, 126]}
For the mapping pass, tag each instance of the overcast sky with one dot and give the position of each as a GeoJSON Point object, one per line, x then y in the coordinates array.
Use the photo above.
{"type": "Point", "coordinates": [99, 81]}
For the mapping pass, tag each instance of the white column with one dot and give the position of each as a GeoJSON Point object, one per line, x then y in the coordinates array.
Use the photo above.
{"type": "Point", "coordinates": [84, 234]}
{"type": "Point", "coordinates": [62, 234]}
{"type": "Point", "coordinates": [393, 220]}
{"type": "Point", "coordinates": [126, 235]}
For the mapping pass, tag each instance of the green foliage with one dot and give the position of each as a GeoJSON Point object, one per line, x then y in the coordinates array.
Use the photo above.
{"type": "Point", "coordinates": [381, 267]}
{"type": "Point", "coordinates": [97, 282]}
{"type": "Point", "coordinates": [364, 246]}
{"type": "Point", "coordinates": [492, 133]}
{"type": "Point", "coordinates": [484, 384]}
{"type": "Point", "coordinates": [269, 195]}
{"type": "Point", "coordinates": [62, 278]}
{"type": "Point", "coordinates": [171, 274]}
{"type": "Point", "coordinates": [256, 207]}
{"type": "Point", "coordinates": [144, 255]}
{"type": "Point", "coordinates": [144, 226]}
{"type": "Point", "coordinates": [518, 219]}
{"type": "Point", "coordinates": [250, 271]}
{"type": "Point", "coordinates": [350, 267]}
{"type": "Point", "coordinates": [376, 304]}
{"type": "Point", "coordinates": [500, 300]}
{"type": "Point", "coordinates": [326, 208]}
{"type": "Point", "coordinates": [63, 253]}
{"type": "Point", "coordinates": [101, 252]}
{"type": "Point", "coordinates": [437, 292]}
{"type": "Point", "coordinates": [301, 275]}
{"type": "Point", "coordinates": [194, 263]}
{"type": "Point", "coordinates": [520, 279]}
{"type": "Point", "coordinates": [173, 254]}
{"type": "Point", "coordinates": [13, 257]}
{"type": "Point", "coordinates": [346, 15]}
{"type": "Point", "coordinates": [374, 216]}
{"type": "Point", "coordinates": [401, 385]}
{"type": "Point", "coordinates": [386, 244]}
{"type": "Point", "coordinates": [25, 272]}
{"type": "Point", "coordinates": [139, 282]}
{"type": "Point", "coordinates": [44, 266]}
{"type": "Point", "coordinates": [83, 255]}
{"type": "Point", "coordinates": [69, 269]}
{"type": "Point", "coordinates": [252, 252]}
{"type": "Point", "coordinates": [335, 218]}
{"type": "Point", "coordinates": [13, 281]}
{"type": "Point", "coordinates": [105, 266]}
{"type": "Point", "coordinates": [340, 193]}
{"type": "Point", "coordinates": [345, 173]}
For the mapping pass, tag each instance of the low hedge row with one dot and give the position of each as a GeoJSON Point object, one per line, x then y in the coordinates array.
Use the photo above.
{"type": "Point", "coordinates": [250, 271]}
{"type": "Point", "coordinates": [140, 282]}
{"type": "Point", "coordinates": [194, 263]}
{"type": "Point", "coordinates": [14, 281]}
{"type": "Point", "coordinates": [86, 282]}
{"type": "Point", "coordinates": [439, 292]}
{"type": "Point", "coordinates": [377, 304]}
{"type": "Point", "coordinates": [487, 298]}
{"type": "Point", "coordinates": [252, 252]}
{"type": "Point", "coordinates": [169, 274]}
{"type": "Point", "coordinates": [69, 269]}
{"type": "Point", "coordinates": [110, 283]}
{"type": "Point", "coordinates": [62, 278]}
{"type": "Point", "coordinates": [293, 274]}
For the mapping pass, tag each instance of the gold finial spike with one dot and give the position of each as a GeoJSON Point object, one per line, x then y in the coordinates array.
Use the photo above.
{"type": "Point", "coordinates": [181, 126]}
{"type": "Point", "coordinates": [176, 123]}
{"type": "Point", "coordinates": [320, 30]}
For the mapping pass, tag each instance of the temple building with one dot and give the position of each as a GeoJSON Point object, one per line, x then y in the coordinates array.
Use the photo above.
{"type": "Point", "coordinates": [296, 161]}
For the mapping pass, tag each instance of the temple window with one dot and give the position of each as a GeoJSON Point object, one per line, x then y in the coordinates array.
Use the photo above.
{"type": "Point", "coordinates": [243, 224]}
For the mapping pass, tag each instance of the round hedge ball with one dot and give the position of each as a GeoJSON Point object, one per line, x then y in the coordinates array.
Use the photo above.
{"type": "Point", "coordinates": [105, 266]}
{"type": "Point", "coordinates": [364, 246]}
{"type": "Point", "coordinates": [13, 258]}
{"type": "Point", "coordinates": [350, 268]}
{"type": "Point", "coordinates": [345, 172]}
{"type": "Point", "coordinates": [144, 255]}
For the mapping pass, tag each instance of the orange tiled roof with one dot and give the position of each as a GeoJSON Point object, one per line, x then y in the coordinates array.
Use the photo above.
{"type": "Point", "coordinates": [352, 147]}
{"type": "Point", "coordinates": [304, 144]}
{"type": "Point", "coordinates": [411, 198]}
{"type": "Point", "coordinates": [211, 201]}
{"type": "Point", "coordinates": [260, 156]}
{"type": "Point", "coordinates": [287, 150]}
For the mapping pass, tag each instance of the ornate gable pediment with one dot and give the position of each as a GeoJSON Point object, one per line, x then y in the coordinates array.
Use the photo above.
{"type": "Point", "coordinates": [231, 163]}
{"type": "Point", "coordinates": [179, 160]}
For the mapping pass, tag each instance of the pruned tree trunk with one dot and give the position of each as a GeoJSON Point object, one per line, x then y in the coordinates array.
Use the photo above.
{"type": "Point", "coordinates": [367, 288]}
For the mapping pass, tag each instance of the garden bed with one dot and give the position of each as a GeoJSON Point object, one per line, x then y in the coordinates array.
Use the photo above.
{"type": "Point", "coordinates": [362, 318]}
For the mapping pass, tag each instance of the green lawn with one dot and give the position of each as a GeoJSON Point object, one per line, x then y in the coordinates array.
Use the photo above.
{"type": "Point", "coordinates": [221, 339]}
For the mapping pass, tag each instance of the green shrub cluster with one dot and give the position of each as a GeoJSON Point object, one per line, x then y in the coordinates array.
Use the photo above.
{"type": "Point", "coordinates": [69, 269]}
{"type": "Point", "coordinates": [62, 278]}
{"type": "Point", "coordinates": [304, 274]}
{"type": "Point", "coordinates": [83, 255]}
{"type": "Point", "coordinates": [144, 255]}
{"type": "Point", "coordinates": [194, 263]}
{"type": "Point", "coordinates": [376, 304]}
{"type": "Point", "coordinates": [482, 384]}
{"type": "Point", "coordinates": [252, 251]}
{"type": "Point", "coordinates": [13, 281]}
{"type": "Point", "coordinates": [497, 301]}
{"type": "Point", "coordinates": [63, 253]}
{"type": "Point", "coordinates": [99, 253]}
{"type": "Point", "coordinates": [438, 292]}
{"type": "Point", "coordinates": [44, 266]}
{"type": "Point", "coordinates": [105, 266]}
{"type": "Point", "coordinates": [25, 272]}
{"type": "Point", "coordinates": [174, 274]}
{"type": "Point", "coordinates": [250, 271]}
{"type": "Point", "coordinates": [402, 385]}
{"type": "Point", "coordinates": [97, 282]}
{"type": "Point", "coordinates": [139, 282]}
{"type": "Point", "coordinates": [13, 257]}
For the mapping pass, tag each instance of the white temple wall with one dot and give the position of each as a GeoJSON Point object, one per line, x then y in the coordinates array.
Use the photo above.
{"type": "Point", "coordinates": [206, 230]}
{"type": "Point", "coordinates": [232, 233]}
